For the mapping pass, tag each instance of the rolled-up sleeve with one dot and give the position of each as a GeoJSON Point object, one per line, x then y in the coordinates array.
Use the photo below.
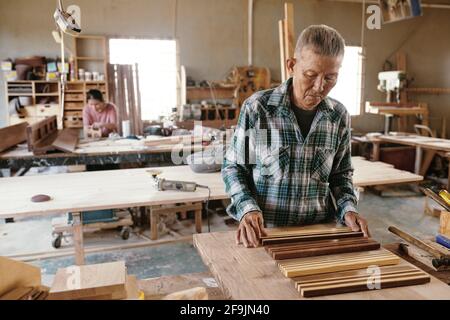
{"type": "Point", "coordinates": [237, 166]}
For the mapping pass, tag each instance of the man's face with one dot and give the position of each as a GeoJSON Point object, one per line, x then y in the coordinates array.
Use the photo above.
{"type": "Point", "coordinates": [314, 76]}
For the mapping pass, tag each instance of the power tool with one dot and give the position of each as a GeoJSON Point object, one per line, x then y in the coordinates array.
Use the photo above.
{"type": "Point", "coordinates": [163, 184]}
{"type": "Point", "coordinates": [185, 186]}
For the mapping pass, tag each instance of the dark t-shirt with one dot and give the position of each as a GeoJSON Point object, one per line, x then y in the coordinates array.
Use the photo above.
{"type": "Point", "coordinates": [304, 119]}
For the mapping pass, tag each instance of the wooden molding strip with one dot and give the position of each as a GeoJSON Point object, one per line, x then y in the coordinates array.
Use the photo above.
{"type": "Point", "coordinates": [333, 263]}
{"type": "Point", "coordinates": [317, 251]}
{"type": "Point", "coordinates": [279, 240]}
{"type": "Point", "coordinates": [339, 282]}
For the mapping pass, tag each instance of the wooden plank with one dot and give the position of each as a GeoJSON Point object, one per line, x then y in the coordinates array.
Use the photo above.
{"type": "Point", "coordinates": [280, 240]}
{"type": "Point", "coordinates": [89, 191]}
{"type": "Point", "coordinates": [336, 262]}
{"type": "Point", "coordinates": [99, 280]}
{"type": "Point", "coordinates": [157, 288]}
{"type": "Point", "coordinates": [289, 30]}
{"type": "Point", "coordinates": [67, 140]}
{"type": "Point", "coordinates": [316, 248]}
{"type": "Point", "coordinates": [444, 223]}
{"type": "Point", "coordinates": [282, 54]}
{"type": "Point", "coordinates": [13, 135]}
{"type": "Point", "coordinates": [19, 274]}
{"type": "Point", "coordinates": [250, 274]}
{"type": "Point", "coordinates": [428, 90]}
{"type": "Point", "coordinates": [304, 231]}
{"type": "Point", "coordinates": [185, 139]}
{"type": "Point", "coordinates": [336, 283]}
{"type": "Point", "coordinates": [77, 230]}
{"type": "Point", "coordinates": [132, 289]}
{"type": "Point", "coordinates": [421, 141]}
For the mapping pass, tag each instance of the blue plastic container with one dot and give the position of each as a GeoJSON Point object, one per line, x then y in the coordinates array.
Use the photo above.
{"type": "Point", "coordinates": [96, 216]}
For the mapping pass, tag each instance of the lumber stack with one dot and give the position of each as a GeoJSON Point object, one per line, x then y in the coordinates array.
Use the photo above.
{"type": "Point", "coordinates": [106, 281]}
{"type": "Point", "coordinates": [337, 262]}
{"type": "Point", "coordinates": [324, 260]}
{"type": "Point", "coordinates": [360, 280]}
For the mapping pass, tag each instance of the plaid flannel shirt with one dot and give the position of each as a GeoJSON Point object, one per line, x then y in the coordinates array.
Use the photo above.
{"type": "Point", "coordinates": [269, 167]}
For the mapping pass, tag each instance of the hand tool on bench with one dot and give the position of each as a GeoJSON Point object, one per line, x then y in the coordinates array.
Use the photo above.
{"type": "Point", "coordinates": [439, 258]}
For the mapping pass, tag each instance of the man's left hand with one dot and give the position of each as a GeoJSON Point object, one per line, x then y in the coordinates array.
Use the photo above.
{"type": "Point", "coordinates": [356, 223]}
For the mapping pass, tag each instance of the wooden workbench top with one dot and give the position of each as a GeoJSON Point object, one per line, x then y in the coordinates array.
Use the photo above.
{"type": "Point", "coordinates": [416, 140]}
{"type": "Point", "coordinates": [368, 173]}
{"type": "Point", "coordinates": [100, 148]}
{"type": "Point", "coordinates": [251, 274]}
{"type": "Point", "coordinates": [85, 191]}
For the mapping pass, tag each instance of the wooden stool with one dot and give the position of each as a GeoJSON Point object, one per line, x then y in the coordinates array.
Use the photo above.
{"type": "Point", "coordinates": [155, 211]}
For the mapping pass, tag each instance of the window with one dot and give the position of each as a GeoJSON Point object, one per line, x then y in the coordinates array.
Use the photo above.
{"type": "Point", "coordinates": [157, 63]}
{"type": "Point", "coordinates": [348, 87]}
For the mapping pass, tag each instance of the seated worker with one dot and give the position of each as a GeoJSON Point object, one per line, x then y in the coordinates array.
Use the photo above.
{"type": "Point", "coordinates": [297, 140]}
{"type": "Point", "coordinates": [99, 114]}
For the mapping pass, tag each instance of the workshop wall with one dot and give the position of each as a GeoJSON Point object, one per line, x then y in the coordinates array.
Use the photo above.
{"type": "Point", "coordinates": [212, 37]}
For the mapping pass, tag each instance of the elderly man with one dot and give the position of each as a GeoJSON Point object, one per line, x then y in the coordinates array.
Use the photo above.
{"type": "Point", "coordinates": [289, 162]}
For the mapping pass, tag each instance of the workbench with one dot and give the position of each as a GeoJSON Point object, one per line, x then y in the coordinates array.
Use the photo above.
{"type": "Point", "coordinates": [431, 147]}
{"type": "Point", "coordinates": [98, 190]}
{"type": "Point", "coordinates": [99, 152]}
{"type": "Point", "coordinates": [251, 274]}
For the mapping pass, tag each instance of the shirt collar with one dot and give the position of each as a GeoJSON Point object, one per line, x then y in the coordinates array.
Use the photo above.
{"type": "Point", "coordinates": [280, 100]}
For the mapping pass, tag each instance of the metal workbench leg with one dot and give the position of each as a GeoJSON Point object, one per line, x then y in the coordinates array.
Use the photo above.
{"type": "Point", "coordinates": [78, 238]}
{"type": "Point", "coordinates": [418, 160]}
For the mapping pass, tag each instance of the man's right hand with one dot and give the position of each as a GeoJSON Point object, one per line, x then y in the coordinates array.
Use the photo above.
{"type": "Point", "coordinates": [251, 229]}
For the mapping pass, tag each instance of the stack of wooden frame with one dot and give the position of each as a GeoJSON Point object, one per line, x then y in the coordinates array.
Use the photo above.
{"type": "Point", "coordinates": [323, 261]}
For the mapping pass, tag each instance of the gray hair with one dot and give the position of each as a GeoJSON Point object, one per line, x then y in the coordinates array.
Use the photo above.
{"type": "Point", "coordinates": [323, 39]}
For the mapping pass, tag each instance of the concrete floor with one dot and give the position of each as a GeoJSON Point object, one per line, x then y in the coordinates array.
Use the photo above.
{"type": "Point", "coordinates": [34, 235]}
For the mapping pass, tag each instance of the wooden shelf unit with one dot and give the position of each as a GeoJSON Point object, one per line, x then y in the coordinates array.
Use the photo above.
{"type": "Point", "coordinates": [91, 54]}
{"type": "Point", "coordinates": [44, 100]}
{"type": "Point", "coordinates": [225, 115]}
{"type": "Point", "coordinates": [75, 100]}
